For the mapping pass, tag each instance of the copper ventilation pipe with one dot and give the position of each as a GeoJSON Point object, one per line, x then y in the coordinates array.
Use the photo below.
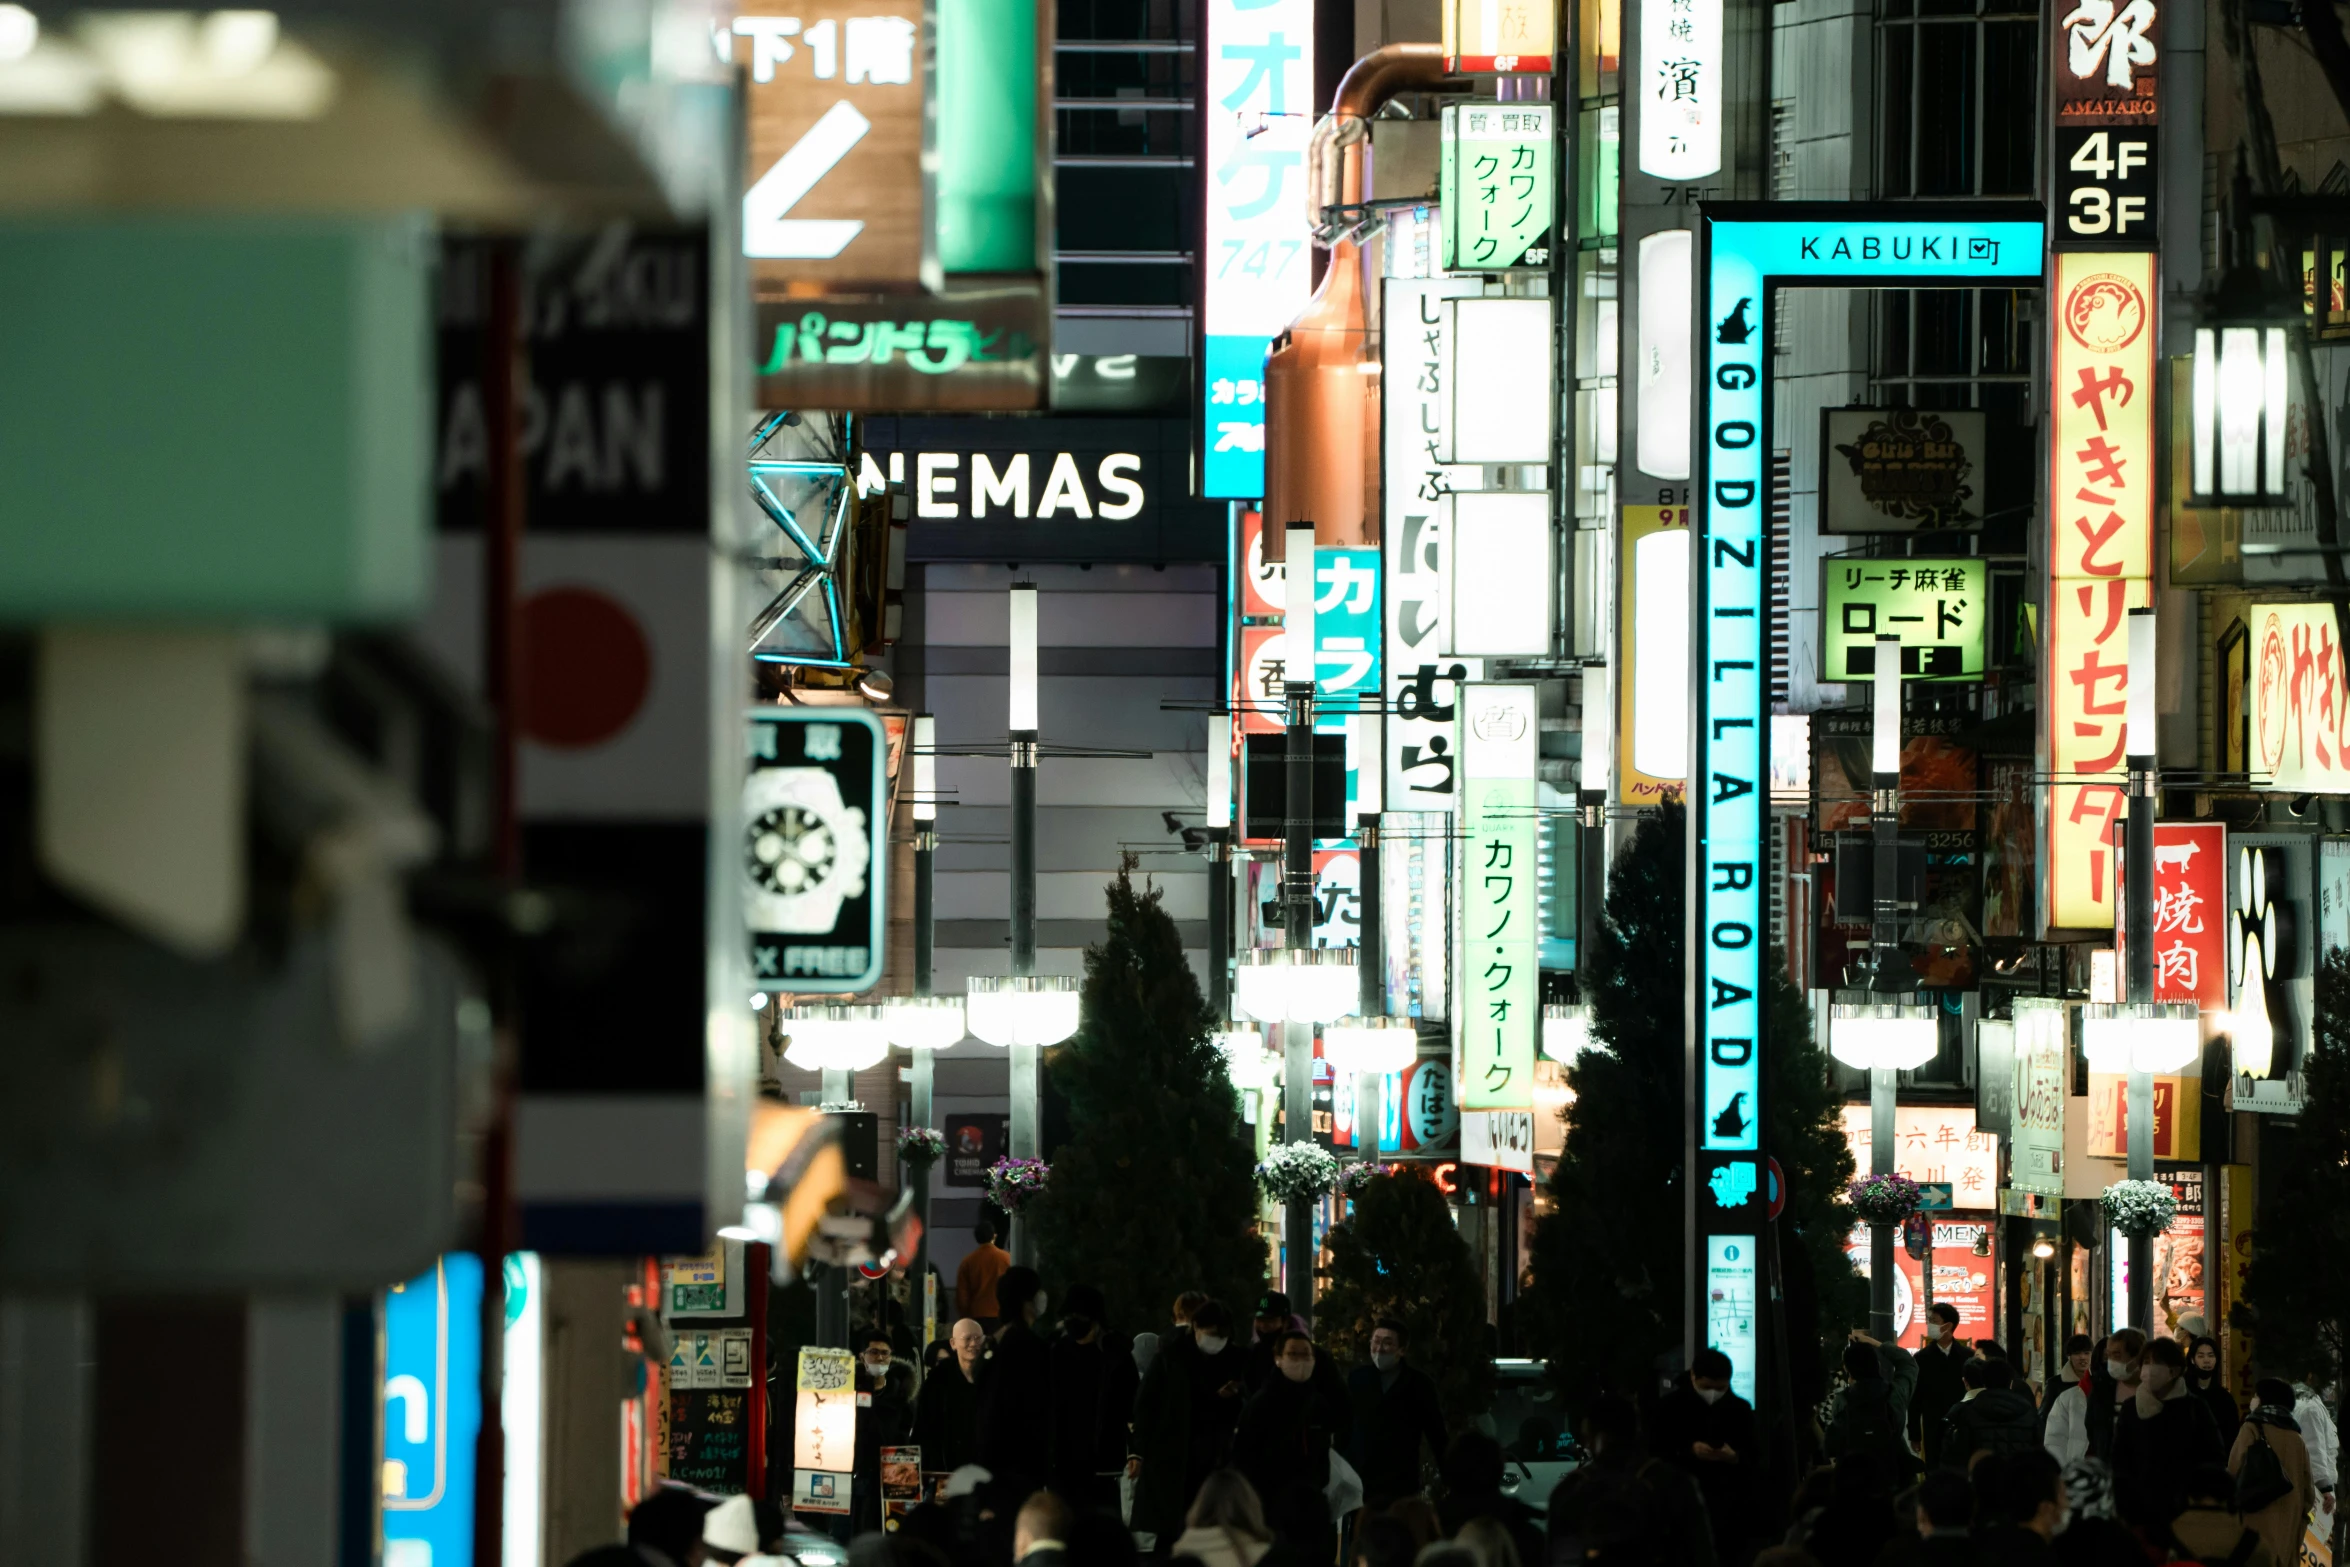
{"type": "Point", "coordinates": [1322, 379]}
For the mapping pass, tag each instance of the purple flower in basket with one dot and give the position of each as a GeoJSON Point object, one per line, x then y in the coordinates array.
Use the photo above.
{"type": "Point", "coordinates": [1013, 1183]}
{"type": "Point", "coordinates": [1883, 1199]}
{"type": "Point", "coordinates": [921, 1145]}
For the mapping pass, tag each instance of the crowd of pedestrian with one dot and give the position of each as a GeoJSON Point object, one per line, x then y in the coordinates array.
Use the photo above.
{"type": "Point", "coordinates": [1226, 1441]}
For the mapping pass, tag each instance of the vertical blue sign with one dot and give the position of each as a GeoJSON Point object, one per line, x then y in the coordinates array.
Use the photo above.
{"type": "Point", "coordinates": [1747, 253]}
{"type": "Point", "coordinates": [432, 1414]}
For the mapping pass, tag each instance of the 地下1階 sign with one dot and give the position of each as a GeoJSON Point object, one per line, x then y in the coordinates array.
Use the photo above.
{"type": "Point", "coordinates": [1936, 608]}
{"type": "Point", "coordinates": [1496, 174]}
{"type": "Point", "coordinates": [1747, 253]}
{"type": "Point", "coordinates": [1499, 937]}
{"type": "Point", "coordinates": [1254, 267]}
{"type": "Point", "coordinates": [2101, 483]}
{"type": "Point", "coordinates": [835, 190]}
{"type": "Point", "coordinates": [814, 866]}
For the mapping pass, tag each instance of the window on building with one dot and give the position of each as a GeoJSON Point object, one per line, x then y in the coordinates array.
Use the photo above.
{"type": "Point", "coordinates": [1959, 102]}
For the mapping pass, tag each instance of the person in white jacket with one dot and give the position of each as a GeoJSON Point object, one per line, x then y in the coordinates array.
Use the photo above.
{"type": "Point", "coordinates": [2318, 1434]}
{"type": "Point", "coordinates": [2067, 1433]}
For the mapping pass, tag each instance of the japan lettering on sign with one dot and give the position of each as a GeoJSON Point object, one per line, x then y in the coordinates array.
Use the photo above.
{"type": "Point", "coordinates": [1259, 110]}
{"type": "Point", "coordinates": [2299, 704]}
{"type": "Point", "coordinates": [1498, 1008]}
{"type": "Point", "coordinates": [1495, 178]}
{"type": "Point", "coordinates": [1259, 679]}
{"type": "Point", "coordinates": [2101, 495]}
{"type": "Point", "coordinates": [1423, 686]}
{"type": "Point", "coordinates": [2042, 1055]}
{"type": "Point", "coordinates": [2105, 71]}
{"type": "Point", "coordinates": [2190, 914]}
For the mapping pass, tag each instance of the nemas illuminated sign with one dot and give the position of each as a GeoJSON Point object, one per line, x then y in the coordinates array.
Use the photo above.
{"type": "Point", "coordinates": [1747, 253]}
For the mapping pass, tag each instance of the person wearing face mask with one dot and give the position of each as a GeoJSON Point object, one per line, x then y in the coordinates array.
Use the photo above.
{"type": "Point", "coordinates": [1393, 1413]}
{"type": "Point", "coordinates": [885, 1413]}
{"type": "Point", "coordinates": [2020, 1507]}
{"type": "Point", "coordinates": [2112, 1385]}
{"type": "Point", "coordinates": [1183, 1419]}
{"type": "Point", "coordinates": [2163, 1434]}
{"type": "Point", "coordinates": [1015, 1415]}
{"type": "Point", "coordinates": [1941, 1383]}
{"type": "Point", "coordinates": [1708, 1432]}
{"type": "Point", "coordinates": [1283, 1441]}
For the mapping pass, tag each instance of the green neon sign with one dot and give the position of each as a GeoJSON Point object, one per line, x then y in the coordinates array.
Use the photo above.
{"type": "Point", "coordinates": [1937, 608]}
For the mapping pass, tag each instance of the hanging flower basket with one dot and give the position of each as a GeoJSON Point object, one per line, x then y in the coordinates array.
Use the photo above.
{"type": "Point", "coordinates": [2139, 1209]}
{"type": "Point", "coordinates": [1883, 1199]}
{"type": "Point", "coordinates": [1298, 1172]}
{"type": "Point", "coordinates": [1355, 1177]}
{"type": "Point", "coordinates": [921, 1146]}
{"type": "Point", "coordinates": [1012, 1184]}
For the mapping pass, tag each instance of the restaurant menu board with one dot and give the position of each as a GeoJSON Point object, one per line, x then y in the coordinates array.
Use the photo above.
{"type": "Point", "coordinates": [901, 1483]}
{"type": "Point", "coordinates": [1960, 1277]}
{"type": "Point", "coordinates": [706, 1418]}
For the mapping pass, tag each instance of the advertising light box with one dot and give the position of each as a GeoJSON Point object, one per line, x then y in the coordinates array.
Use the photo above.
{"type": "Point", "coordinates": [1495, 179]}
{"type": "Point", "coordinates": [1255, 271]}
{"type": "Point", "coordinates": [1936, 608]}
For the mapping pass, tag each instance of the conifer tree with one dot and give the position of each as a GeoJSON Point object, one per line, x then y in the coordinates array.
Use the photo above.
{"type": "Point", "coordinates": [1399, 1255]}
{"type": "Point", "coordinates": [1608, 1272]}
{"type": "Point", "coordinates": [2299, 1284]}
{"type": "Point", "coordinates": [1153, 1188]}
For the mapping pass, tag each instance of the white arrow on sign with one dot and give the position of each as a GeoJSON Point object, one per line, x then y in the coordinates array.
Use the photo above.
{"type": "Point", "coordinates": [767, 233]}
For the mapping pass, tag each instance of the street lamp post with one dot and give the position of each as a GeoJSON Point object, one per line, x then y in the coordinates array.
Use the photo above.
{"type": "Point", "coordinates": [1297, 890]}
{"type": "Point", "coordinates": [2138, 852]}
{"type": "Point", "coordinates": [1219, 826]}
{"type": "Point", "coordinates": [925, 760]}
{"type": "Point", "coordinates": [1025, 1136]}
{"type": "Point", "coordinates": [1884, 945]}
{"type": "Point", "coordinates": [1369, 733]}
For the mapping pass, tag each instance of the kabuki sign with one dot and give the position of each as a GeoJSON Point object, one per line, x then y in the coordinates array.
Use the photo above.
{"type": "Point", "coordinates": [1746, 254]}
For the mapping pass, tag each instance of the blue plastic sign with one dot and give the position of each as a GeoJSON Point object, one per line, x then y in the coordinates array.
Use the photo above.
{"type": "Point", "coordinates": [1935, 1196]}
{"type": "Point", "coordinates": [432, 1414]}
{"type": "Point", "coordinates": [1747, 253]}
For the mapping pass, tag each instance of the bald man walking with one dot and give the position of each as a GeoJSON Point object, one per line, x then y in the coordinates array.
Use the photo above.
{"type": "Point", "coordinates": [946, 1413]}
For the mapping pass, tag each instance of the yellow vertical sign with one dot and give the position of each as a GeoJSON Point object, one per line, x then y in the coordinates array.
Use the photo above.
{"type": "Point", "coordinates": [2101, 472]}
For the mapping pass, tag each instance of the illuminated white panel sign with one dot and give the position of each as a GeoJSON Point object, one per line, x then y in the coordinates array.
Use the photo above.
{"type": "Point", "coordinates": [1681, 89]}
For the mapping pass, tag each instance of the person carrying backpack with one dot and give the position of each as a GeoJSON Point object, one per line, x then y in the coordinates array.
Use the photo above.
{"type": "Point", "coordinates": [1622, 1509]}
{"type": "Point", "coordinates": [1992, 1418]}
{"type": "Point", "coordinates": [2273, 1490]}
{"type": "Point", "coordinates": [1863, 1421]}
